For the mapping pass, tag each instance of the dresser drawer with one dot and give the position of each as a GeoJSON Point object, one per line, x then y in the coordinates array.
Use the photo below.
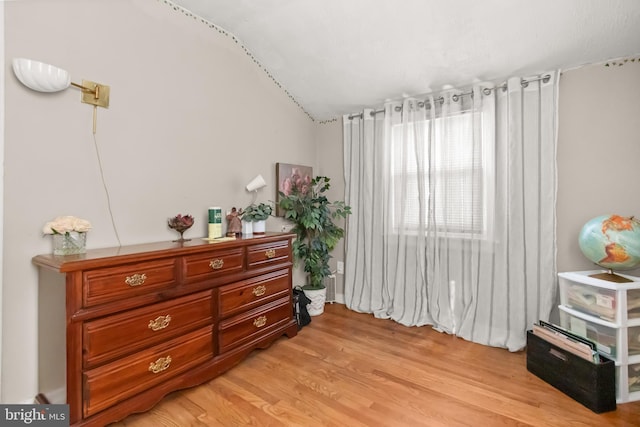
{"type": "Point", "coordinates": [126, 281]}
{"type": "Point", "coordinates": [251, 293]}
{"type": "Point", "coordinates": [213, 264]}
{"type": "Point", "coordinates": [110, 337]}
{"type": "Point", "coordinates": [118, 381]}
{"type": "Point", "coordinates": [251, 325]}
{"type": "Point", "coordinates": [268, 253]}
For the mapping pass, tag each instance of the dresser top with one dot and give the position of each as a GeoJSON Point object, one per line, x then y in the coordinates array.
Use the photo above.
{"type": "Point", "coordinates": [133, 253]}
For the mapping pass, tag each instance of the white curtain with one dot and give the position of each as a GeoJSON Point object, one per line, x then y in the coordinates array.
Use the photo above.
{"type": "Point", "coordinates": [453, 199]}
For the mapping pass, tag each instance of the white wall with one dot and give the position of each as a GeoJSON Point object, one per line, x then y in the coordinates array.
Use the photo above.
{"type": "Point", "coordinates": [598, 152]}
{"type": "Point", "coordinates": [330, 158]}
{"type": "Point", "coordinates": [2, 73]}
{"type": "Point", "coordinates": [192, 119]}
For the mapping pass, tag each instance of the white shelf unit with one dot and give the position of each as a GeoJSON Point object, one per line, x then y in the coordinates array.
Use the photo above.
{"type": "Point", "coordinates": [609, 314]}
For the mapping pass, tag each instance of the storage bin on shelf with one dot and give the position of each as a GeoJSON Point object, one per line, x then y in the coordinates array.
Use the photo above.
{"type": "Point", "coordinates": [608, 313]}
{"type": "Point", "coordinates": [606, 335]}
{"type": "Point", "coordinates": [634, 378]}
{"type": "Point", "coordinates": [628, 384]}
{"type": "Point", "coordinates": [633, 337]}
{"type": "Point", "coordinates": [600, 298]}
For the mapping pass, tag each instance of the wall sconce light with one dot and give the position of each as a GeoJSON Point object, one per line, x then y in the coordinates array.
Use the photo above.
{"type": "Point", "coordinates": [254, 185]}
{"type": "Point", "coordinates": [43, 77]}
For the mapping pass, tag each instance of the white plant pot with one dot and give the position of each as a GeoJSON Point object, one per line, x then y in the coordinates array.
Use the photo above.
{"type": "Point", "coordinates": [259, 227]}
{"type": "Point", "coordinates": [318, 298]}
{"type": "Point", "coordinates": [247, 228]}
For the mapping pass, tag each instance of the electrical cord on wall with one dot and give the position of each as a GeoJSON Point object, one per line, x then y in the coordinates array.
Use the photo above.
{"type": "Point", "coordinates": [106, 190]}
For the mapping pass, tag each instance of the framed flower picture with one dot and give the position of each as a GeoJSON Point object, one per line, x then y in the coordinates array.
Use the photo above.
{"type": "Point", "coordinates": [291, 178]}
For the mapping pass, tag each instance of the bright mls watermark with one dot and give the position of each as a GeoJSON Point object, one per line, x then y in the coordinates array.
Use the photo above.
{"type": "Point", "coordinates": [34, 415]}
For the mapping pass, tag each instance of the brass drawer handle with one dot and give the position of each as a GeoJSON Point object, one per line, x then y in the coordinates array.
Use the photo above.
{"type": "Point", "coordinates": [259, 290]}
{"type": "Point", "coordinates": [135, 280]}
{"type": "Point", "coordinates": [259, 322]}
{"type": "Point", "coordinates": [161, 322]}
{"type": "Point", "coordinates": [160, 365]}
{"type": "Point", "coordinates": [270, 253]}
{"type": "Point", "coordinates": [216, 264]}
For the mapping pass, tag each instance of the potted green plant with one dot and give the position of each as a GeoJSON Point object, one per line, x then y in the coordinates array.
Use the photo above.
{"type": "Point", "coordinates": [257, 215]}
{"type": "Point", "coordinates": [316, 231]}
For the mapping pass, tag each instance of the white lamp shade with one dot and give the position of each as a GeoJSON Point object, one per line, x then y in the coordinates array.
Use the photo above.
{"type": "Point", "coordinates": [256, 183]}
{"type": "Point", "coordinates": [40, 76]}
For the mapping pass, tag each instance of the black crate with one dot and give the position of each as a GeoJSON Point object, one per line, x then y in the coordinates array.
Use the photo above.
{"type": "Point", "coordinates": [592, 384]}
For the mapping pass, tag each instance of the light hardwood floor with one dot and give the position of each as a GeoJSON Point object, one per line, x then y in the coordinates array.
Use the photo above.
{"type": "Point", "coordinates": [350, 369]}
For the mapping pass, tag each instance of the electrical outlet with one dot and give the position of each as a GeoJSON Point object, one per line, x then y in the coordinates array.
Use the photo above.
{"type": "Point", "coordinates": [340, 267]}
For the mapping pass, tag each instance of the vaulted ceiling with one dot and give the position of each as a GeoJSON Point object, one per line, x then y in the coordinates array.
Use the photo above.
{"type": "Point", "coordinates": [338, 56]}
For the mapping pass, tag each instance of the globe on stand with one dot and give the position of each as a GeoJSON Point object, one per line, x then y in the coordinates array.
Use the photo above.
{"type": "Point", "coordinates": [613, 243]}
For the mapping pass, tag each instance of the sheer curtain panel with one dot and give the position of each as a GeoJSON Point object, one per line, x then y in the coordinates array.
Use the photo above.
{"type": "Point", "coordinates": [453, 199]}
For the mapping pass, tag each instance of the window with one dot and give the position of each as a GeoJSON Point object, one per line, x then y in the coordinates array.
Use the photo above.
{"type": "Point", "coordinates": [439, 175]}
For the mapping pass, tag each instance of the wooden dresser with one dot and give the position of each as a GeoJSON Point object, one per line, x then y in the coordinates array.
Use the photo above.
{"type": "Point", "coordinates": [142, 321]}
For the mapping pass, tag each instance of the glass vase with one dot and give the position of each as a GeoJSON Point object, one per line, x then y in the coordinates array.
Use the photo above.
{"type": "Point", "coordinates": [70, 243]}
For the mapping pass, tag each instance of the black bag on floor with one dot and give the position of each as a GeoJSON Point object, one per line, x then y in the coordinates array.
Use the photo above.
{"type": "Point", "coordinates": [300, 301]}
